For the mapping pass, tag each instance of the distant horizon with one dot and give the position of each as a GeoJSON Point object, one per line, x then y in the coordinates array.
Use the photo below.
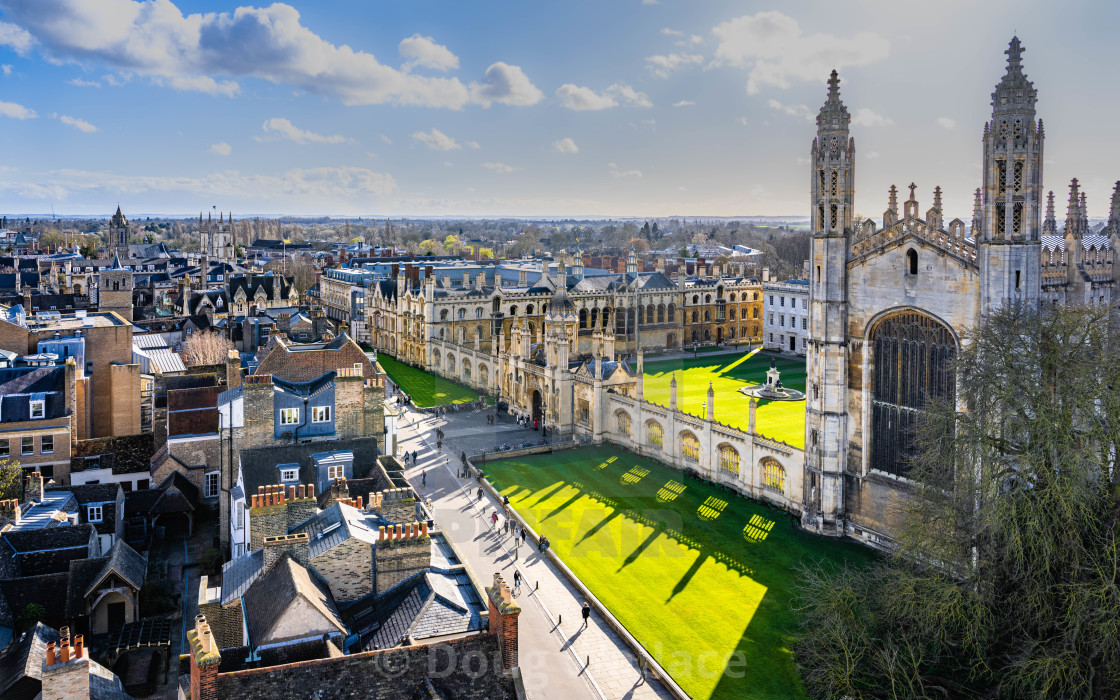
{"type": "Point", "coordinates": [382, 217]}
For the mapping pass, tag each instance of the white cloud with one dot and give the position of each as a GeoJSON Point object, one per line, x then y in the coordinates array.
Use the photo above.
{"type": "Point", "coordinates": [565, 145]}
{"type": "Point", "coordinates": [7, 68]}
{"type": "Point", "coordinates": [947, 123]}
{"type": "Point", "coordinates": [672, 32]}
{"type": "Point", "coordinates": [221, 149]}
{"type": "Point", "coordinates": [425, 52]}
{"type": "Point", "coordinates": [506, 85]}
{"type": "Point", "coordinates": [663, 66]}
{"type": "Point", "coordinates": [386, 139]}
{"type": "Point", "coordinates": [16, 111]}
{"type": "Point", "coordinates": [80, 124]}
{"type": "Point", "coordinates": [617, 173]}
{"type": "Point", "coordinates": [473, 145]}
{"type": "Point", "coordinates": [772, 46]}
{"type": "Point", "coordinates": [872, 155]}
{"type": "Point", "coordinates": [866, 117]}
{"type": "Point", "coordinates": [278, 127]}
{"type": "Point", "coordinates": [436, 140]}
{"type": "Point", "coordinates": [799, 111]}
{"type": "Point", "coordinates": [201, 83]}
{"type": "Point", "coordinates": [83, 83]}
{"type": "Point", "coordinates": [499, 167]}
{"type": "Point", "coordinates": [447, 164]}
{"type": "Point", "coordinates": [684, 103]}
{"type": "Point", "coordinates": [15, 37]}
{"type": "Point", "coordinates": [743, 121]}
{"type": "Point", "coordinates": [154, 38]}
{"type": "Point", "coordinates": [581, 99]}
{"type": "Point", "coordinates": [696, 39]}
{"type": "Point", "coordinates": [651, 2]}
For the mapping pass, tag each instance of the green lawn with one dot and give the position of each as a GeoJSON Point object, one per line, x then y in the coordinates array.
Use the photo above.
{"type": "Point", "coordinates": [781, 420]}
{"type": "Point", "coordinates": [425, 388]}
{"type": "Point", "coordinates": [700, 577]}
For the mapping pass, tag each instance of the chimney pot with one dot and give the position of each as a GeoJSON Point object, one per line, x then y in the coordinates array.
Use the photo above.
{"type": "Point", "coordinates": [311, 490]}
{"type": "Point", "coordinates": [302, 492]}
{"type": "Point", "coordinates": [400, 531]}
{"type": "Point", "coordinates": [381, 532]}
{"type": "Point", "coordinates": [423, 529]}
{"type": "Point", "coordinates": [260, 490]}
{"type": "Point", "coordinates": [359, 506]}
{"type": "Point", "coordinates": [78, 647]}
{"type": "Point", "coordinates": [50, 654]}
{"type": "Point", "coordinates": [65, 651]}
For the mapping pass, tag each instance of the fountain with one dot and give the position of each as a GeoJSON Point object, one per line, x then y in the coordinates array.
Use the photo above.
{"type": "Point", "coordinates": [773, 390]}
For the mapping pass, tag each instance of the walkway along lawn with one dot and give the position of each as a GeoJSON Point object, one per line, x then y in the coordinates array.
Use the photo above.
{"type": "Point", "coordinates": [425, 388]}
{"type": "Point", "coordinates": [698, 575]}
{"type": "Point", "coordinates": [780, 420]}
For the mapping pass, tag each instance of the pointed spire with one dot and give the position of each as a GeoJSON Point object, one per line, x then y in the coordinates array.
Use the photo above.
{"type": "Point", "coordinates": [892, 202]}
{"type": "Point", "coordinates": [937, 197]}
{"type": "Point", "coordinates": [1073, 215]}
{"type": "Point", "coordinates": [1050, 225]}
{"type": "Point", "coordinates": [977, 214]}
{"type": "Point", "coordinates": [1014, 93]}
{"type": "Point", "coordinates": [912, 187]}
{"type": "Point", "coordinates": [833, 115]}
{"type": "Point", "coordinates": [1083, 222]}
{"type": "Point", "coordinates": [1114, 209]}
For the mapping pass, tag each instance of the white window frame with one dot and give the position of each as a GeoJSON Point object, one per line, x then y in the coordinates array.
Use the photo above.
{"type": "Point", "coordinates": [38, 410]}
{"type": "Point", "coordinates": [207, 492]}
{"type": "Point", "coordinates": [95, 513]}
{"type": "Point", "coordinates": [23, 446]}
{"type": "Point", "coordinates": [289, 416]}
{"type": "Point", "coordinates": [289, 475]}
{"type": "Point", "coordinates": [43, 444]}
{"type": "Point", "coordinates": [320, 414]}
{"type": "Point", "coordinates": [336, 471]}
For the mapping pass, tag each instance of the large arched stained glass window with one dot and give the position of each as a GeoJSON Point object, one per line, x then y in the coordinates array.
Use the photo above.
{"type": "Point", "coordinates": [690, 447]}
{"type": "Point", "coordinates": [912, 364]}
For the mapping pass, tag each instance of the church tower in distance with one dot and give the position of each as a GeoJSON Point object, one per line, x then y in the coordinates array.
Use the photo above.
{"type": "Point", "coordinates": [1008, 246]}
{"type": "Point", "coordinates": [826, 421]}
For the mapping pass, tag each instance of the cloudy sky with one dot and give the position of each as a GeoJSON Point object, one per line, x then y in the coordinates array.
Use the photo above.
{"type": "Point", "coordinates": [574, 108]}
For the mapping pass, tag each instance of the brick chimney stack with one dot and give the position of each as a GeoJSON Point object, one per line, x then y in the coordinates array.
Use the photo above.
{"type": "Point", "coordinates": [205, 661]}
{"type": "Point", "coordinates": [33, 490]}
{"type": "Point", "coordinates": [66, 674]}
{"type": "Point", "coordinates": [503, 621]}
{"type": "Point", "coordinates": [297, 546]}
{"type": "Point", "coordinates": [9, 512]}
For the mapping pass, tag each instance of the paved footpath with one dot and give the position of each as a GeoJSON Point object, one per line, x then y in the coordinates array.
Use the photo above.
{"type": "Point", "coordinates": [554, 651]}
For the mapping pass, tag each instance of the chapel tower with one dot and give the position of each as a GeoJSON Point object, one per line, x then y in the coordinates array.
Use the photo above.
{"type": "Point", "coordinates": [832, 192]}
{"type": "Point", "coordinates": [118, 234]}
{"type": "Point", "coordinates": [1008, 244]}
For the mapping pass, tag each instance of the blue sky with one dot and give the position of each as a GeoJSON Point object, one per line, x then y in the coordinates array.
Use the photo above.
{"type": "Point", "coordinates": [614, 107]}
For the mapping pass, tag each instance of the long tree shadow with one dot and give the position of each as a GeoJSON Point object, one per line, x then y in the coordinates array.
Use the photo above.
{"type": "Point", "coordinates": [599, 526]}
{"type": "Point", "coordinates": [633, 556]}
{"type": "Point", "coordinates": [687, 578]}
{"type": "Point", "coordinates": [567, 504]}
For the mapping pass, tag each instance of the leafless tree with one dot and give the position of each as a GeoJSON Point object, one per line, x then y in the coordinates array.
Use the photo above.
{"type": "Point", "coordinates": [206, 348]}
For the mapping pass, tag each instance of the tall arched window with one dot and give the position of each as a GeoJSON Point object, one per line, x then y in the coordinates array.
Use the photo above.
{"type": "Point", "coordinates": [623, 420]}
{"type": "Point", "coordinates": [912, 261]}
{"type": "Point", "coordinates": [729, 460]}
{"type": "Point", "coordinates": [655, 436]}
{"type": "Point", "coordinates": [911, 365]}
{"type": "Point", "coordinates": [583, 318]}
{"type": "Point", "coordinates": [690, 447]}
{"type": "Point", "coordinates": [773, 475]}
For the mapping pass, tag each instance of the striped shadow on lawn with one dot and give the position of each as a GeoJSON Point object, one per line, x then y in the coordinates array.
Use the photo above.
{"type": "Point", "coordinates": [700, 577]}
{"type": "Point", "coordinates": [425, 388]}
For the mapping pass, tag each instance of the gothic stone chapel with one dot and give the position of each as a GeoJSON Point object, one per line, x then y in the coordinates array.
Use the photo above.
{"type": "Point", "coordinates": [887, 306]}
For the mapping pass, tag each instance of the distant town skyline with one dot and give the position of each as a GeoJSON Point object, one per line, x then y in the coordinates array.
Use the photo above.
{"type": "Point", "coordinates": [641, 108]}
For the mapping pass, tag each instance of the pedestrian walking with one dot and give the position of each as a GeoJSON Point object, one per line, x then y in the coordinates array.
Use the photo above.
{"type": "Point", "coordinates": [523, 535]}
{"type": "Point", "coordinates": [494, 517]}
{"type": "Point", "coordinates": [586, 613]}
{"type": "Point", "coordinates": [480, 493]}
{"type": "Point", "coordinates": [439, 445]}
{"type": "Point", "coordinates": [516, 579]}
{"type": "Point", "coordinates": [424, 478]}
{"type": "Point", "coordinates": [507, 524]}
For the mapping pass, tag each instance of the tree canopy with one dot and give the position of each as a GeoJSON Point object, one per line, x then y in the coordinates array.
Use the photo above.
{"type": "Point", "coordinates": [1004, 581]}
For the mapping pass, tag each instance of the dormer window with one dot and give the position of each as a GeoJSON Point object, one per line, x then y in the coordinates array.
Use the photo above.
{"type": "Point", "coordinates": [38, 409]}
{"type": "Point", "coordinates": [94, 514]}
{"type": "Point", "coordinates": [289, 475]}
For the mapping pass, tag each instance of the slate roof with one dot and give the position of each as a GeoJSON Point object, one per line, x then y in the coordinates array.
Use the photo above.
{"type": "Point", "coordinates": [86, 574]}
{"type": "Point", "coordinates": [240, 573]}
{"type": "Point", "coordinates": [307, 389]}
{"type": "Point", "coordinates": [49, 550]}
{"type": "Point", "coordinates": [301, 362]}
{"type": "Point", "coordinates": [258, 465]}
{"type": "Point", "coordinates": [93, 493]}
{"type": "Point", "coordinates": [336, 525]}
{"type": "Point", "coordinates": [427, 605]}
{"type": "Point", "coordinates": [24, 657]}
{"type": "Point", "coordinates": [19, 386]}
{"type": "Point", "coordinates": [48, 590]}
{"type": "Point", "coordinates": [270, 596]}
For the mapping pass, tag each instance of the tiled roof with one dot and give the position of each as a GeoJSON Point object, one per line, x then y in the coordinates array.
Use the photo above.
{"type": "Point", "coordinates": [24, 658]}
{"type": "Point", "coordinates": [270, 596]}
{"type": "Point", "coordinates": [258, 465]}
{"type": "Point", "coordinates": [428, 605]}
{"type": "Point", "coordinates": [239, 574]}
{"type": "Point", "coordinates": [48, 590]}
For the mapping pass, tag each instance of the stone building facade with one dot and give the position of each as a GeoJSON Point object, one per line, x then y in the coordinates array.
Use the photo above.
{"type": "Point", "coordinates": [888, 305]}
